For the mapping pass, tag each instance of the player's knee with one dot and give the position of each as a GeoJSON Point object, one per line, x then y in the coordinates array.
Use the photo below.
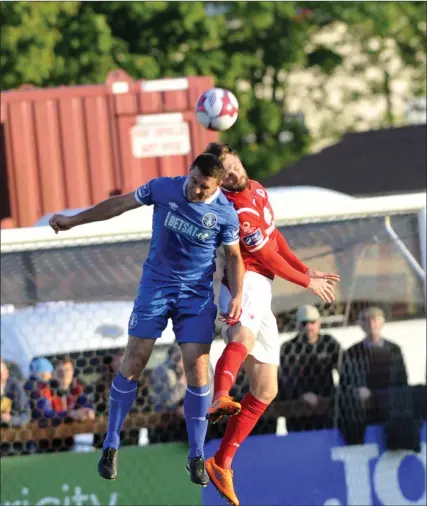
{"type": "Point", "coordinates": [196, 374]}
{"type": "Point", "coordinates": [243, 335]}
{"type": "Point", "coordinates": [265, 393]}
{"type": "Point", "coordinates": [132, 368]}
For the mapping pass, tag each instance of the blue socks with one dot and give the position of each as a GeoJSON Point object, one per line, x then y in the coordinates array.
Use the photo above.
{"type": "Point", "coordinates": [196, 403]}
{"type": "Point", "coordinates": [122, 395]}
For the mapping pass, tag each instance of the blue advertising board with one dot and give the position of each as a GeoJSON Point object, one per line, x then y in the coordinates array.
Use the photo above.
{"type": "Point", "coordinates": [318, 468]}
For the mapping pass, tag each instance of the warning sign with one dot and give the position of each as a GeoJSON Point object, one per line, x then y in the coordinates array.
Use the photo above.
{"type": "Point", "coordinates": [162, 139]}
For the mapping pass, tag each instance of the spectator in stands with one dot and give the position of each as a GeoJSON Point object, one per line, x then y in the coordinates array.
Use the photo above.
{"type": "Point", "coordinates": [65, 395]}
{"type": "Point", "coordinates": [306, 371]}
{"type": "Point", "coordinates": [371, 368]}
{"type": "Point", "coordinates": [69, 397]}
{"type": "Point", "coordinates": [15, 370]}
{"type": "Point", "coordinates": [64, 399]}
{"type": "Point", "coordinates": [374, 363]}
{"type": "Point", "coordinates": [41, 369]}
{"type": "Point", "coordinates": [168, 391]}
{"type": "Point", "coordinates": [37, 386]}
{"type": "Point", "coordinates": [14, 410]}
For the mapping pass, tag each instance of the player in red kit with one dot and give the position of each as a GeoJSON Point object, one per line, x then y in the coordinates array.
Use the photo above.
{"type": "Point", "coordinates": [253, 340]}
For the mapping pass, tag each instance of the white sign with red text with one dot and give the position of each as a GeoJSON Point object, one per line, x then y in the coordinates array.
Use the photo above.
{"type": "Point", "coordinates": [160, 135]}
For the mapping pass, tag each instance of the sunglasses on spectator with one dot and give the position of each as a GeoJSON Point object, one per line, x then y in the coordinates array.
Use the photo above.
{"type": "Point", "coordinates": [306, 322]}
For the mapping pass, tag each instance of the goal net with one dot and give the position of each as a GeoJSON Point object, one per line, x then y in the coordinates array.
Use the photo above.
{"type": "Point", "coordinates": [71, 297]}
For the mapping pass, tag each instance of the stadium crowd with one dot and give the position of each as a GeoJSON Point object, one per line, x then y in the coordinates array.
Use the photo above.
{"type": "Point", "coordinates": [332, 387]}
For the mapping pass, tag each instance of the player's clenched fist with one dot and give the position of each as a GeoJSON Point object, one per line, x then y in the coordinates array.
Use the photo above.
{"type": "Point", "coordinates": [59, 222]}
{"type": "Point", "coordinates": [323, 288]}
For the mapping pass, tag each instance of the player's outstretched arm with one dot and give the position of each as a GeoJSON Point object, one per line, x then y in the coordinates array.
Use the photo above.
{"type": "Point", "coordinates": [235, 273]}
{"type": "Point", "coordinates": [271, 259]}
{"type": "Point", "coordinates": [287, 254]}
{"type": "Point", "coordinates": [105, 210]}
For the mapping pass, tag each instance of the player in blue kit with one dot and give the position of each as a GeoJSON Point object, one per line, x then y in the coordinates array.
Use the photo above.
{"type": "Point", "coordinates": [191, 219]}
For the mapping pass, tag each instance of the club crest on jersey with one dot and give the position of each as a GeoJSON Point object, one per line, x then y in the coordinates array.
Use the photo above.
{"type": "Point", "coordinates": [253, 239]}
{"type": "Point", "coordinates": [247, 229]}
{"type": "Point", "coordinates": [209, 220]}
{"type": "Point", "coordinates": [133, 320]}
{"type": "Point", "coordinates": [260, 192]}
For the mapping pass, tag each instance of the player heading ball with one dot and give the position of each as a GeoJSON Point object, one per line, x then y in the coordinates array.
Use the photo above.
{"type": "Point", "coordinates": [191, 218]}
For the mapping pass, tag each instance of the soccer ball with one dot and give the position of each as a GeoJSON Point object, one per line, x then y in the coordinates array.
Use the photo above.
{"type": "Point", "coordinates": [217, 109]}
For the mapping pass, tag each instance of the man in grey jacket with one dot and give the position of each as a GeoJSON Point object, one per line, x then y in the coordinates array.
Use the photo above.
{"type": "Point", "coordinates": [15, 408]}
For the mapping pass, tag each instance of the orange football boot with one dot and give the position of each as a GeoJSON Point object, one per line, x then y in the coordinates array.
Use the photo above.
{"type": "Point", "coordinates": [223, 406]}
{"type": "Point", "coordinates": [222, 480]}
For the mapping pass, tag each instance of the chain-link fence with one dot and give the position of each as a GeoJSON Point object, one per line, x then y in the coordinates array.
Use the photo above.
{"type": "Point", "coordinates": [70, 305]}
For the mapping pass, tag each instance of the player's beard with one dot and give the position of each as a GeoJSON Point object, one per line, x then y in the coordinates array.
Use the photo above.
{"type": "Point", "coordinates": [240, 186]}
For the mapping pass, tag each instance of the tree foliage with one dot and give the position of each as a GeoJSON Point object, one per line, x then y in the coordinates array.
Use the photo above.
{"type": "Point", "coordinates": [250, 47]}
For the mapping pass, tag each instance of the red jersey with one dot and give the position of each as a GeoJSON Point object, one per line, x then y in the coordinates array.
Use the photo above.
{"type": "Point", "coordinates": [256, 219]}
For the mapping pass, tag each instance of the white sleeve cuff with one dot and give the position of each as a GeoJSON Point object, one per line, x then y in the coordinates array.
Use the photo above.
{"type": "Point", "coordinates": [137, 198]}
{"type": "Point", "coordinates": [231, 243]}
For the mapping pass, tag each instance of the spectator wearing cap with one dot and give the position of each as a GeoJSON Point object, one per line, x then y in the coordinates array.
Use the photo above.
{"type": "Point", "coordinates": [37, 386]}
{"type": "Point", "coordinates": [63, 396]}
{"type": "Point", "coordinates": [306, 370]}
{"type": "Point", "coordinates": [42, 369]}
{"type": "Point", "coordinates": [369, 367]}
{"type": "Point", "coordinates": [64, 399]}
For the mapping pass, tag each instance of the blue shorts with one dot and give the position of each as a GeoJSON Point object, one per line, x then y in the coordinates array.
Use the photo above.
{"type": "Point", "coordinates": [191, 308]}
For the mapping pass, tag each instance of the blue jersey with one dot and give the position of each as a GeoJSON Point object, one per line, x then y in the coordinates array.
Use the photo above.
{"type": "Point", "coordinates": [185, 234]}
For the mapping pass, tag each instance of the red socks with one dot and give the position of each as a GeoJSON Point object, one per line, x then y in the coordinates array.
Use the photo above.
{"type": "Point", "coordinates": [239, 426]}
{"type": "Point", "coordinates": [227, 368]}
{"type": "Point", "coordinates": [238, 429]}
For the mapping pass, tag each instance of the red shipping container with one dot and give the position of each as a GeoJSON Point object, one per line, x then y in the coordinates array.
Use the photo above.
{"type": "Point", "coordinates": [70, 147]}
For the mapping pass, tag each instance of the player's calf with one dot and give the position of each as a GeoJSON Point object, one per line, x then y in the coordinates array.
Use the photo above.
{"type": "Point", "coordinates": [227, 367]}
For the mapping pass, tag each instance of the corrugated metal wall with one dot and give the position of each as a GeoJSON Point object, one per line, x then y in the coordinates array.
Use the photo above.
{"type": "Point", "coordinates": [69, 147]}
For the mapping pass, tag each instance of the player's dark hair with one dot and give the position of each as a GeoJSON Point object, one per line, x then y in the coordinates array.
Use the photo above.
{"type": "Point", "coordinates": [209, 165]}
{"type": "Point", "coordinates": [220, 150]}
